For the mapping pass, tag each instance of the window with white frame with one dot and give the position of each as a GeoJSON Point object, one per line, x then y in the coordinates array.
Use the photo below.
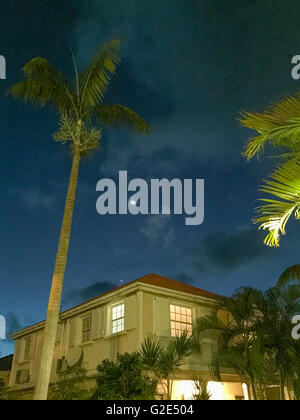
{"type": "Point", "coordinates": [27, 345]}
{"type": "Point", "coordinates": [181, 320]}
{"type": "Point", "coordinates": [117, 317]}
{"type": "Point", "coordinates": [86, 328]}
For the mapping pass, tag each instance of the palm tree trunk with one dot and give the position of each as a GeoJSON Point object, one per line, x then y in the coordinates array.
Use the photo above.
{"type": "Point", "coordinates": [282, 394]}
{"type": "Point", "coordinates": [253, 388]}
{"type": "Point", "coordinates": [41, 389]}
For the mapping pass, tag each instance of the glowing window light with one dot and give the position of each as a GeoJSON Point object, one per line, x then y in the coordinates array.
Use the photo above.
{"type": "Point", "coordinates": [183, 390]}
{"type": "Point", "coordinates": [216, 390]}
{"type": "Point", "coordinates": [117, 318]}
{"type": "Point", "coordinates": [181, 320]}
{"type": "Point", "coordinates": [246, 393]}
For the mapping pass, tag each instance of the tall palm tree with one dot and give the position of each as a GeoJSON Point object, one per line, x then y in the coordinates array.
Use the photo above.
{"type": "Point", "coordinates": [255, 338]}
{"type": "Point", "coordinates": [79, 104]}
{"type": "Point", "coordinates": [233, 319]}
{"type": "Point", "coordinates": [278, 126]}
{"type": "Point", "coordinates": [274, 328]}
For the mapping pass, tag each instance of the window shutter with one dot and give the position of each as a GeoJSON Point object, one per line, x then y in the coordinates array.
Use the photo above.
{"type": "Point", "coordinates": [32, 346]}
{"type": "Point", "coordinates": [22, 376]}
{"type": "Point", "coordinates": [98, 323]}
{"type": "Point", "coordinates": [161, 317]}
{"type": "Point", "coordinates": [59, 333]}
{"type": "Point", "coordinates": [18, 351]}
{"type": "Point", "coordinates": [130, 312]}
{"type": "Point", "coordinates": [18, 374]}
{"type": "Point", "coordinates": [72, 332]}
{"type": "Point", "coordinates": [102, 320]}
{"type": "Point", "coordinates": [95, 327]}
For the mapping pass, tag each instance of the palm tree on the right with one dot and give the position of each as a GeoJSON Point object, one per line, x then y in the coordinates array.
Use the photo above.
{"type": "Point", "coordinates": [278, 126]}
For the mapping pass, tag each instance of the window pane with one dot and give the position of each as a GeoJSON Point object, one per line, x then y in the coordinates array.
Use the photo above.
{"type": "Point", "coordinates": [117, 318]}
{"type": "Point", "coordinates": [181, 320]}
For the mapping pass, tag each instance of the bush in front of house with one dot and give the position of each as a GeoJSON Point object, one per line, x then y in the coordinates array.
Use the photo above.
{"type": "Point", "coordinates": [3, 390]}
{"type": "Point", "coordinates": [124, 379]}
{"type": "Point", "coordinates": [70, 387]}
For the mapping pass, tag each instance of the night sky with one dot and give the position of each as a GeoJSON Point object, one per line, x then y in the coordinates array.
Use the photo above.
{"type": "Point", "coordinates": [188, 67]}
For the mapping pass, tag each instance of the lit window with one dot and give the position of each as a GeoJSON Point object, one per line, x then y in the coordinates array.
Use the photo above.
{"type": "Point", "coordinates": [86, 328]}
{"type": "Point", "coordinates": [181, 320]}
{"type": "Point", "coordinates": [27, 348]}
{"type": "Point", "coordinates": [117, 318]}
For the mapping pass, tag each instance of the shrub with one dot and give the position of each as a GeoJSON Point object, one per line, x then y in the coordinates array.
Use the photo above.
{"type": "Point", "coordinates": [124, 380]}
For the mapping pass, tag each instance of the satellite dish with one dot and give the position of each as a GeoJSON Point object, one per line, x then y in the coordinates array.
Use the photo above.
{"type": "Point", "coordinates": [74, 356]}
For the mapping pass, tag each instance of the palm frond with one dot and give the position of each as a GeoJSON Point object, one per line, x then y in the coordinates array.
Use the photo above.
{"type": "Point", "coordinates": [273, 216]}
{"type": "Point", "coordinates": [44, 84]}
{"type": "Point", "coordinates": [151, 349]}
{"type": "Point", "coordinates": [275, 126]}
{"type": "Point", "coordinates": [121, 115]}
{"type": "Point", "coordinates": [208, 323]}
{"type": "Point", "coordinates": [94, 80]}
{"type": "Point", "coordinates": [228, 358]}
{"type": "Point", "coordinates": [183, 345]}
{"type": "Point", "coordinates": [290, 275]}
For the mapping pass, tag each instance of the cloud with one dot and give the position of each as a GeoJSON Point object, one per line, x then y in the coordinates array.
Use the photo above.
{"type": "Point", "coordinates": [227, 251]}
{"type": "Point", "coordinates": [76, 296]}
{"type": "Point", "coordinates": [35, 199]}
{"type": "Point", "coordinates": [147, 81]}
{"type": "Point", "coordinates": [183, 277]}
{"type": "Point", "coordinates": [12, 324]}
{"type": "Point", "coordinates": [157, 228]}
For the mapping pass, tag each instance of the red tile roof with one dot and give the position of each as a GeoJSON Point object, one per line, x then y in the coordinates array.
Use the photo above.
{"type": "Point", "coordinates": [165, 282]}
{"type": "Point", "coordinates": [159, 281]}
{"type": "Point", "coordinates": [154, 280]}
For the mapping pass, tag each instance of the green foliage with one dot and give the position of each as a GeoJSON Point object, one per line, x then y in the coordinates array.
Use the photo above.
{"type": "Point", "coordinates": [290, 276]}
{"type": "Point", "coordinates": [164, 360]}
{"type": "Point", "coordinates": [255, 338]}
{"type": "Point", "coordinates": [70, 387]}
{"type": "Point", "coordinates": [3, 390]}
{"type": "Point", "coordinates": [124, 380]}
{"type": "Point", "coordinates": [94, 80]}
{"type": "Point", "coordinates": [121, 115]}
{"type": "Point", "coordinates": [278, 307]}
{"type": "Point", "coordinates": [284, 184]}
{"type": "Point", "coordinates": [78, 134]}
{"type": "Point", "coordinates": [78, 102]}
{"type": "Point", "coordinates": [279, 126]}
{"type": "Point", "coordinates": [44, 84]}
{"type": "Point", "coordinates": [233, 320]}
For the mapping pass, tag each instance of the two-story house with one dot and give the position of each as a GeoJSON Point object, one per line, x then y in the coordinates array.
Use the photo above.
{"type": "Point", "coordinates": [117, 322]}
